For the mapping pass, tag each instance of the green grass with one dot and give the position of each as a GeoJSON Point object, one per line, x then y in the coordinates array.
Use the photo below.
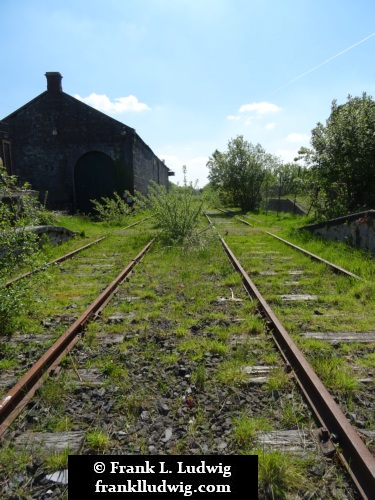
{"type": "Point", "coordinates": [367, 360]}
{"type": "Point", "coordinates": [174, 316]}
{"type": "Point", "coordinates": [97, 440]}
{"type": "Point", "coordinates": [281, 475]}
{"type": "Point", "coordinates": [245, 430]}
{"type": "Point", "coordinates": [278, 379]}
{"type": "Point", "coordinates": [335, 373]}
{"type": "Point", "coordinates": [57, 461]}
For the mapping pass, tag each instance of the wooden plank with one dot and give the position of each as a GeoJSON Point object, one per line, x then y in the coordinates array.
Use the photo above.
{"type": "Point", "coordinates": [298, 296]}
{"type": "Point", "coordinates": [259, 375]}
{"type": "Point", "coordinates": [110, 338]}
{"type": "Point", "coordinates": [340, 336]}
{"type": "Point", "coordinates": [288, 441]}
{"type": "Point", "coordinates": [50, 441]}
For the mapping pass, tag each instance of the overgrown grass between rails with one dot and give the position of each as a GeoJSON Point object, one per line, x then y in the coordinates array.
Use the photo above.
{"type": "Point", "coordinates": [68, 285]}
{"type": "Point", "coordinates": [245, 430]}
{"type": "Point", "coordinates": [336, 374]}
{"type": "Point", "coordinates": [357, 261]}
{"type": "Point", "coordinates": [335, 294]}
{"type": "Point", "coordinates": [280, 474]}
{"type": "Point", "coordinates": [287, 226]}
{"type": "Point", "coordinates": [97, 440]}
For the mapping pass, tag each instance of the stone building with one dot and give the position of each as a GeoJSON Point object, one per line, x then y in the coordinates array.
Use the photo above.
{"type": "Point", "coordinates": [72, 153]}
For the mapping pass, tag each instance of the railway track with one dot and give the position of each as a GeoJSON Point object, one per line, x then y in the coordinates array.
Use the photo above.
{"type": "Point", "coordinates": [21, 393]}
{"type": "Point", "coordinates": [357, 457]}
{"type": "Point", "coordinates": [177, 363]}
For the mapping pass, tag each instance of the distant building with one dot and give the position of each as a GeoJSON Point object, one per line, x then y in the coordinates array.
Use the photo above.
{"type": "Point", "coordinates": [73, 153]}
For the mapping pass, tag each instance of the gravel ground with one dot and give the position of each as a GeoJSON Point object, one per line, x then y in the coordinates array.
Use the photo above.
{"type": "Point", "coordinates": [181, 419]}
{"type": "Point", "coordinates": [163, 400]}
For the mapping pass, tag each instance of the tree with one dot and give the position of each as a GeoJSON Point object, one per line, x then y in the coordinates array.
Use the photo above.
{"type": "Point", "coordinates": [342, 158]}
{"type": "Point", "coordinates": [239, 172]}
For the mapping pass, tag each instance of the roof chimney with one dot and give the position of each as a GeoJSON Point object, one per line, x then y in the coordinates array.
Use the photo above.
{"type": "Point", "coordinates": [54, 81]}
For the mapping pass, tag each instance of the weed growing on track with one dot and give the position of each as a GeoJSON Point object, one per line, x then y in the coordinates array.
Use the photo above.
{"type": "Point", "coordinates": [335, 373]}
{"type": "Point", "coordinates": [57, 461]}
{"type": "Point", "coordinates": [115, 211]}
{"type": "Point", "coordinates": [368, 359]}
{"type": "Point", "coordinates": [97, 440]}
{"type": "Point", "coordinates": [199, 377]}
{"type": "Point", "coordinates": [11, 461]}
{"type": "Point", "coordinates": [278, 379]}
{"type": "Point", "coordinates": [194, 312]}
{"type": "Point", "coordinates": [112, 369]}
{"type": "Point", "coordinates": [280, 474]}
{"type": "Point", "coordinates": [292, 413]}
{"type": "Point", "coordinates": [177, 211]}
{"type": "Point", "coordinates": [245, 430]}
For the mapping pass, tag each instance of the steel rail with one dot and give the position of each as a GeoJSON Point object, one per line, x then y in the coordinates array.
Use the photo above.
{"type": "Point", "coordinates": [209, 220]}
{"type": "Point", "coordinates": [21, 393]}
{"type": "Point", "coordinates": [55, 261]}
{"type": "Point", "coordinates": [244, 221]}
{"type": "Point", "coordinates": [352, 451]}
{"type": "Point", "coordinates": [233, 214]}
{"type": "Point", "coordinates": [334, 267]}
{"type": "Point", "coordinates": [138, 222]}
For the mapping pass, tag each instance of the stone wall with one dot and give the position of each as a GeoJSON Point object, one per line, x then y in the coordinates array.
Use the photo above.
{"type": "Point", "coordinates": [147, 167]}
{"type": "Point", "coordinates": [285, 205]}
{"type": "Point", "coordinates": [55, 234]}
{"type": "Point", "coordinates": [357, 230]}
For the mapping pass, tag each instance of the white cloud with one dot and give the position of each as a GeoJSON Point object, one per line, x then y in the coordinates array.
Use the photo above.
{"type": "Point", "coordinates": [119, 105]}
{"type": "Point", "coordinates": [270, 126]}
{"type": "Point", "coordinates": [233, 117]}
{"type": "Point", "coordinates": [298, 138]}
{"type": "Point", "coordinates": [196, 169]}
{"type": "Point", "coordinates": [287, 155]}
{"type": "Point", "coordinates": [261, 108]}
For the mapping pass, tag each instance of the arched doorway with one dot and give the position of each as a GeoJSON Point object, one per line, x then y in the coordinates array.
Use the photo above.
{"type": "Point", "coordinates": [94, 177]}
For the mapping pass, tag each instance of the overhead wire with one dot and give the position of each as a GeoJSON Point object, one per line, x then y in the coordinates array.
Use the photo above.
{"type": "Point", "coordinates": [324, 62]}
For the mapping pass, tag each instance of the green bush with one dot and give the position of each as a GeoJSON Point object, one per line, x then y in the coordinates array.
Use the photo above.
{"type": "Point", "coordinates": [17, 246]}
{"type": "Point", "coordinates": [114, 210]}
{"type": "Point", "coordinates": [176, 211]}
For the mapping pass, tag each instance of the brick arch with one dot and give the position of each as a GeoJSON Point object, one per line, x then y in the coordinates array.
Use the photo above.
{"type": "Point", "coordinates": [94, 177]}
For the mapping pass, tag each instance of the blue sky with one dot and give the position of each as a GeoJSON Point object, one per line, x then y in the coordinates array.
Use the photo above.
{"type": "Point", "coordinates": [190, 75]}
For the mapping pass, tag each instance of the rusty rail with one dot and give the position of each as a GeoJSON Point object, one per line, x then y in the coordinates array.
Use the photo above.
{"type": "Point", "coordinates": [244, 221]}
{"type": "Point", "coordinates": [55, 261]}
{"type": "Point", "coordinates": [21, 393]}
{"type": "Point", "coordinates": [353, 453]}
{"type": "Point", "coordinates": [335, 268]}
{"type": "Point", "coordinates": [138, 222]}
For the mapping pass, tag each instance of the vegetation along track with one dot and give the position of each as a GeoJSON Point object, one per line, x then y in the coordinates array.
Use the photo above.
{"type": "Point", "coordinates": [298, 301]}
{"type": "Point", "coordinates": [179, 362]}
